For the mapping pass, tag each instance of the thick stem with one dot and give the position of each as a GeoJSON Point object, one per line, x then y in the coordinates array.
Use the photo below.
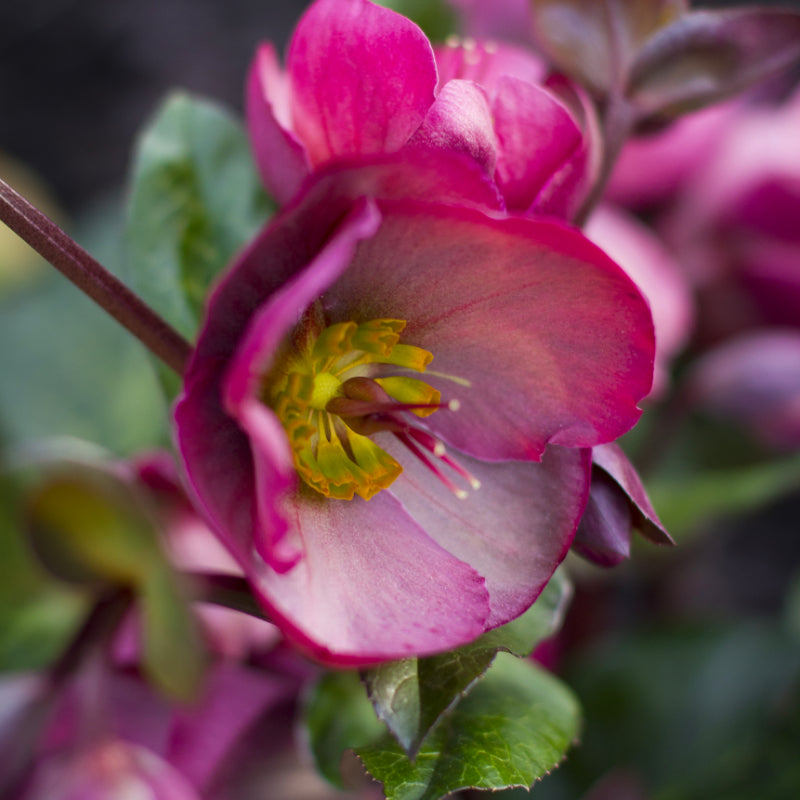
{"type": "Point", "coordinates": [229, 591]}
{"type": "Point", "coordinates": [618, 121]}
{"type": "Point", "coordinates": [47, 239]}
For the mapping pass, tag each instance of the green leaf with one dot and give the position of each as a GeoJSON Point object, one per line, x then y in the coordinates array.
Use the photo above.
{"type": "Point", "coordinates": [68, 368]}
{"type": "Point", "coordinates": [37, 614]}
{"type": "Point", "coordinates": [174, 658]}
{"type": "Point", "coordinates": [687, 502]}
{"type": "Point", "coordinates": [513, 728]}
{"type": "Point", "coordinates": [86, 527]}
{"type": "Point", "coordinates": [719, 701]}
{"type": "Point", "coordinates": [338, 717]}
{"type": "Point", "coordinates": [435, 17]}
{"type": "Point", "coordinates": [93, 529]}
{"type": "Point", "coordinates": [412, 695]}
{"type": "Point", "coordinates": [195, 200]}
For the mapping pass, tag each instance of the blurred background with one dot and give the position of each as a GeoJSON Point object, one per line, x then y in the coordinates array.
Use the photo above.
{"type": "Point", "coordinates": [687, 661]}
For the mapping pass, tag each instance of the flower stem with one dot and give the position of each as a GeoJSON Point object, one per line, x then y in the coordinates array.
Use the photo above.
{"type": "Point", "coordinates": [229, 591]}
{"type": "Point", "coordinates": [47, 239]}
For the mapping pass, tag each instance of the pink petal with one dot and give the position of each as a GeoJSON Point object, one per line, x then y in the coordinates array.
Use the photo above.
{"type": "Point", "coordinates": [555, 341]}
{"type": "Point", "coordinates": [613, 462]}
{"type": "Point", "coordinates": [537, 136]}
{"type": "Point", "coordinates": [280, 155]}
{"type": "Point", "coordinates": [755, 380]}
{"type": "Point", "coordinates": [514, 530]}
{"type": "Point", "coordinates": [202, 737]}
{"type": "Point", "coordinates": [372, 585]}
{"type": "Point", "coordinates": [486, 62]}
{"type": "Point", "coordinates": [503, 19]}
{"type": "Point", "coordinates": [240, 473]}
{"type": "Point", "coordinates": [362, 79]}
{"type": "Point", "coordinates": [461, 121]}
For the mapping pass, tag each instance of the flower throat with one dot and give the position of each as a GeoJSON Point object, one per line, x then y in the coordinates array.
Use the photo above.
{"type": "Point", "coordinates": [335, 386]}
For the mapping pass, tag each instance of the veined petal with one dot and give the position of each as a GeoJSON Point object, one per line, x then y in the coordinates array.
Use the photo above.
{"type": "Point", "coordinates": [553, 341]}
{"type": "Point", "coordinates": [372, 584]}
{"type": "Point", "coordinates": [514, 530]}
{"type": "Point", "coordinates": [336, 112]}
{"type": "Point", "coordinates": [280, 156]}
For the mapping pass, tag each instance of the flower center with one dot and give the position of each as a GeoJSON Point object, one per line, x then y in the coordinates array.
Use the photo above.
{"type": "Point", "coordinates": [338, 385]}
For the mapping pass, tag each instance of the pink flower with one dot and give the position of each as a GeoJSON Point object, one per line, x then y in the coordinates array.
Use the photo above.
{"type": "Point", "coordinates": [363, 80]}
{"type": "Point", "coordinates": [342, 472]}
{"type": "Point", "coordinates": [734, 225]}
{"type": "Point", "coordinates": [110, 770]}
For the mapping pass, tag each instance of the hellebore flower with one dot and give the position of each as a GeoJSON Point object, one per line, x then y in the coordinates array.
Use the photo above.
{"type": "Point", "coordinates": [334, 463]}
{"type": "Point", "coordinates": [753, 379]}
{"type": "Point", "coordinates": [734, 223]}
{"type": "Point", "coordinates": [362, 80]}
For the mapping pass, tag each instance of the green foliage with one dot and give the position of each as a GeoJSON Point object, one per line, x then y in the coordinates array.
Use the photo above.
{"type": "Point", "coordinates": [510, 730]}
{"type": "Point", "coordinates": [412, 695]}
{"type": "Point", "coordinates": [71, 370]}
{"type": "Point", "coordinates": [452, 724]}
{"type": "Point", "coordinates": [688, 501]}
{"type": "Point", "coordinates": [37, 615]}
{"type": "Point", "coordinates": [719, 702]}
{"type": "Point", "coordinates": [195, 199]}
{"type": "Point", "coordinates": [435, 17]}
{"type": "Point", "coordinates": [338, 717]}
{"type": "Point", "coordinates": [92, 529]}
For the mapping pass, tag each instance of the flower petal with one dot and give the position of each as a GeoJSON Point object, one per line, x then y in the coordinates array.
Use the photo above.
{"type": "Point", "coordinates": [611, 459]}
{"type": "Point", "coordinates": [553, 340]}
{"type": "Point", "coordinates": [460, 120]}
{"type": "Point", "coordinates": [372, 584]}
{"type": "Point", "coordinates": [537, 136]}
{"type": "Point", "coordinates": [240, 473]}
{"type": "Point", "coordinates": [280, 156]}
{"type": "Point", "coordinates": [336, 110]}
{"type": "Point", "coordinates": [514, 530]}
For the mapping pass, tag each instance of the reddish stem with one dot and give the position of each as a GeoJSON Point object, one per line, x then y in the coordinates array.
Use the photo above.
{"type": "Point", "coordinates": [94, 280]}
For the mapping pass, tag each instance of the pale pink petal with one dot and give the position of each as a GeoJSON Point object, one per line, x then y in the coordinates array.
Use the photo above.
{"type": "Point", "coordinates": [460, 121]}
{"type": "Point", "coordinates": [372, 584]}
{"type": "Point", "coordinates": [362, 79]}
{"type": "Point", "coordinates": [546, 337]}
{"type": "Point", "coordinates": [280, 156]}
{"type": "Point", "coordinates": [515, 529]}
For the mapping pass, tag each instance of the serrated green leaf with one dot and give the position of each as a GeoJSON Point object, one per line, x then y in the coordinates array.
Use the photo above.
{"type": "Point", "coordinates": [412, 695]}
{"type": "Point", "coordinates": [338, 717]}
{"type": "Point", "coordinates": [513, 728]}
{"type": "Point", "coordinates": [195, 200]}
